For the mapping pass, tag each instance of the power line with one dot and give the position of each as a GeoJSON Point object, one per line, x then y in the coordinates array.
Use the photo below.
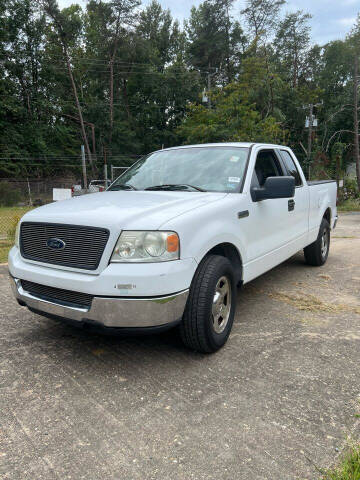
{"type": "Point", "coordinates": [120, 62]}
{"type": "Point", "coordinates": [133, 72]}
{"type": "Point", "coordinates": [164, 69]}
{"type": "Point", "coordinates": [140, 104]}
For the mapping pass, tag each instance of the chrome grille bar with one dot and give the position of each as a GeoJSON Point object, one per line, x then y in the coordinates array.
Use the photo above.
{"type": "Point", "coordinates": [84, 246]}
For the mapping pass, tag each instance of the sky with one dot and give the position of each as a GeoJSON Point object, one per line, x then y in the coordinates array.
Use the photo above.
{"type": "Point", "coordinates": [332, 19]}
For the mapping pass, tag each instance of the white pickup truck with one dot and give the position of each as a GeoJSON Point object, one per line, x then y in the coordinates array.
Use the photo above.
{"type": "Point", "coordinates": [171, 239]}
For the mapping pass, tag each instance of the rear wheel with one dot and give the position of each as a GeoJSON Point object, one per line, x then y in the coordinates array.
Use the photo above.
{"type": "Point", "coordinates": [210, 309]}
{"type": "Point", "coordinates": [317, 253]}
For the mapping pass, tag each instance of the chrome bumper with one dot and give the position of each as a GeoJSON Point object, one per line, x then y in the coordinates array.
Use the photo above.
{"type": "Point", "coordinates": [111, 311]}
{"type": "Point", "coordinates": [335, 222]}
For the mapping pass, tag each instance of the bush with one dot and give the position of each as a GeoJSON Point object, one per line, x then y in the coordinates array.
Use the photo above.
{"type": "Point", "coordinates": [9, 196]}
{"type": "Point", "coordinates": [351, 188]}
{"type": "Point", "coordinates": [349, 205]}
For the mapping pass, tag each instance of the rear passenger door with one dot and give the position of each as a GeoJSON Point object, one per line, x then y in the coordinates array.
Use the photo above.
{"type": "Point", "coordinates": [268, 229]}
{"type": "Point", "coordinates": [299, 215]}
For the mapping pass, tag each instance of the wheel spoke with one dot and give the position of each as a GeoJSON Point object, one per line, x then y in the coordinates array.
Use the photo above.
{"type": "Point", "coordinates": [221, 304]}
{"type": "Point", "coordinates": [223, 289]}
{"type": "Point", "coordinates": [324, 246]}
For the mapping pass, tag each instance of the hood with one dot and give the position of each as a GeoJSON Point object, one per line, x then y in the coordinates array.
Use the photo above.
{"type": "Point", "coordinates": [130, 210]}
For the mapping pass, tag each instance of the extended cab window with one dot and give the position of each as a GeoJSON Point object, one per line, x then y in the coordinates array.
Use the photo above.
{"type": "Point", "coordinates": [291, 167]}
{"type": "Point", "coordinates": [267, 165]}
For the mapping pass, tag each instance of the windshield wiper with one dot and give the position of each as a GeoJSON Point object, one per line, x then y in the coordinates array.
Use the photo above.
{"type": "Point", "coordinates": [122, 186]}
{"type": "Point", "coordinates": [175, 186]}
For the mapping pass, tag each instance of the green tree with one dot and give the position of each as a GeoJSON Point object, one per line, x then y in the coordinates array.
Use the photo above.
{"type": "Point", "coordinates": [292, 44]}
{"type": "Point", "coordinates": [159, 33]}
{"type": "Point", "coordinates": [262, 16]}
{"type": "Point", "coordinates": [123, 16]}
{"type": "Point", "coordinates": [67, 25]}
{"type": "Point", "coordinates": [233, 118]}
{"type": "Point", "coordinates": [354, 40]}
{"type": "Point", "coordinates": [214, 40]}
{"type": "Point", "coordinates": [126, 79]}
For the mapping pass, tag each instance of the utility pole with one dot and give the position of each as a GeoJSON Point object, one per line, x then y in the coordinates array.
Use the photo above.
{"type": "Point", "coordinates": [84, 166]}
{"type": "Point", "coordinates": [356, 123]}
{"type": "Point", "coordinates": [29, 190]}
{"type": "Point", "coordinates": [312, 123]}
{"type": "Point", "coordinates": [311, 109]}
{"type": "Point", "coordinates": [105, 169]}
{"type": "Point", "coordinates": [93, 138]}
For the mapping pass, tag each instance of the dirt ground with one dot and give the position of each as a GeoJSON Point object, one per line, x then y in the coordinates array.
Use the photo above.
{"type": "Point", "coordinates": [276, 403]}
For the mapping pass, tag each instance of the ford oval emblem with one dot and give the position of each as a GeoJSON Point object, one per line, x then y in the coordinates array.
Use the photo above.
{"type": "Point", "coordinates": [55, 244]}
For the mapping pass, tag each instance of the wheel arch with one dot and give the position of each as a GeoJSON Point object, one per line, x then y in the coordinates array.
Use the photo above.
{"type": "Point", "coordinates": [229, 251]}
{"type": "Point", "coordinates": [327, 215]}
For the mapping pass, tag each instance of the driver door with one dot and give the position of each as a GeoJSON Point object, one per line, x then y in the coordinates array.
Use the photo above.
{"type": "Point", "coordinates": [267, 230]}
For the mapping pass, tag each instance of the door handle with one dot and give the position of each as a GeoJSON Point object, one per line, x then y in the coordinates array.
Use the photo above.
{"type": "Point", "coordinates": [291, 205]}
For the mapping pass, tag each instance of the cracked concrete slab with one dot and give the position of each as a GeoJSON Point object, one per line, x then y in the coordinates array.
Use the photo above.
{"type": "Point", "coordinates": [279, 400]}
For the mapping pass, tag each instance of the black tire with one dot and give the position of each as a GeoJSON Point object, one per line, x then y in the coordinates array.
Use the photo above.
{"type": "Point", "coordinates": [214, 274]}
{"type": "Point", "coordinates": [317, 253]}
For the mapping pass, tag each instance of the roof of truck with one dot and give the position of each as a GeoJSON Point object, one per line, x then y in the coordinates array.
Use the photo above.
{"type": "Point", "coordinates": [226, 144]}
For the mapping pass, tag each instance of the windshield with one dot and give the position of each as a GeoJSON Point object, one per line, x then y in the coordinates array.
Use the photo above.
{"type": "Point", "coordinates": [219, 169]}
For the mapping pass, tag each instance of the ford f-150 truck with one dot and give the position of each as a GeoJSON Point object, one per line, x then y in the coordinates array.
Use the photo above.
{"type": "Point", "coordinates": [171, 239]}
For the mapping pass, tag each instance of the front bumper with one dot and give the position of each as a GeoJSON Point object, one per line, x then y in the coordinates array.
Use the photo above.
{"type": "Point", "coordinates": [144, 279]}
{"type": "Point", "coordinates": [335, 222]}
{"type": "Point", "coordinates": [111, 312]}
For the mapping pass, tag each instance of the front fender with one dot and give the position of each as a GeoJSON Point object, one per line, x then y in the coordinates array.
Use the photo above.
{"type": "Point", "coordinates": [214, 224]}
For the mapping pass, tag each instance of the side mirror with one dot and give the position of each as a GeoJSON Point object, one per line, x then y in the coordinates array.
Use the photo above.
{"type": "Point", "coordinates": [274, 187]}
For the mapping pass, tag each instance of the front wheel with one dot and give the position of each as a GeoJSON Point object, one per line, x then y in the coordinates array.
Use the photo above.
{"type": "Point", "coordinates": [317, 253]}
{"type": "Point", "coordinates": [210, 309]}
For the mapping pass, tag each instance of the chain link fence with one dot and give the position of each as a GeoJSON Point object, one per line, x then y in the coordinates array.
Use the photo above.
{"type": "Point", "coordinates": [30, 187]}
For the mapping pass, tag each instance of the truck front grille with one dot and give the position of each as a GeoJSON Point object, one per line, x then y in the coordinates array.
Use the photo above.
{"type": "Point", "coordinates": [58, 295]}
{"type": "Point", "coordinates": [83, 248]}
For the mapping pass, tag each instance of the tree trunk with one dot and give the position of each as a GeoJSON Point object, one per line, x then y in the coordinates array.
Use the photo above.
{"type": "Point", "coordinates": [92, 126]}
{"type": "Point", "coordinates": [111, 100]}
{"type": "Point", "coordinates": [295, 72]}
{"type": "Point", "coordinates": [126, 100]}
{"type": "Point", "coordinates": [227, 33]}
{"type": "Point", "coordinates": [111, 64]}
{"type": "Point", "coordinates": [356, 123]}
{"type": "Point", "coordinates": [52, 10]}
{"type": "Point", "coordinates": [270, 81]}
{"type": "Point", "coordinates": [82, 125]}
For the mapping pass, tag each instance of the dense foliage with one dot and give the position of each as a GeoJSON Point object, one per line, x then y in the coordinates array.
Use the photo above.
{"type": "Point", "coordinates": [124, 79]}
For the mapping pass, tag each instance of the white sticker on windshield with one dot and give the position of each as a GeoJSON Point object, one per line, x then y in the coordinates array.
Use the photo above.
{"type": "Point", "coordinates": [234, 179]}
{"type": "Point", "coordinates": [234, 158]}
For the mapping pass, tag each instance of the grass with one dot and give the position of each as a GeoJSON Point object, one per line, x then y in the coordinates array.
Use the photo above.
{"type": "Point", "coordinates": [5, 246]}
{"type": "Point", "coordinates": [311, 303]}
{"type": "Point", "coordinates": [350, 205]}
{"type": "Point", "coordinates": [9, 217]}
{"type": "Point", "coordinates": [349, 467]}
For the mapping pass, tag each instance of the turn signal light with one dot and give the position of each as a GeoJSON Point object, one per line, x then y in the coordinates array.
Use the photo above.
{"type": "Point", "coordinates": [172, 243]}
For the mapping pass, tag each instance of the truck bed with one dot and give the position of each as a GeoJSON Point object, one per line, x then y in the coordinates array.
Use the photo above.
{"type": "Point", "coordinates": [318, 182]}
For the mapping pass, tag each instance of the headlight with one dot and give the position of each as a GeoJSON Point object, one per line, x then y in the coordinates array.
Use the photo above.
{"type": "Point", "coordinates": [17, 235]}
{"type": "Point", "coordinates": [135, 246]}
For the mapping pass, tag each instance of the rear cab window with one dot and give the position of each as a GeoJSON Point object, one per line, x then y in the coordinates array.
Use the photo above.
{"type": "Point", "coordinates": [291, 168]}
